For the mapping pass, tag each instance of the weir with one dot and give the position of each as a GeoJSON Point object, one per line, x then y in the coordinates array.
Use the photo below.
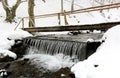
{"type": "Point", "coordinates": [50, 45]}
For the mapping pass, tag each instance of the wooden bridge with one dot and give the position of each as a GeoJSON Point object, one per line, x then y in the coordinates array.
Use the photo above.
{"type": "Point", "coordinates": [100, 26]}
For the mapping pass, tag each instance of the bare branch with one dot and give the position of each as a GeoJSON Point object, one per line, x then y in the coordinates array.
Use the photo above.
{"type": "Point", "coordinates": [5, 4]}
{"type": "Point", "coordinates": [16, 5]}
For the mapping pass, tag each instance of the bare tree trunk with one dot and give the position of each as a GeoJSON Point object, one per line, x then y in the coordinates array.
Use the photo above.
{"type": "Point", "coordinates": [10, 12]}
{"type": "Point", "coordinates": [62, 6]}
{"type": "Point", "coordinates": [31, 13]}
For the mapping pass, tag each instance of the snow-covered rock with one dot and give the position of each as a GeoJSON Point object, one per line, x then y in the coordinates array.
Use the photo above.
{"type": "Point", "coordinates": [104, 63]}
{"type": "Point", "coordinates": [4, 53]}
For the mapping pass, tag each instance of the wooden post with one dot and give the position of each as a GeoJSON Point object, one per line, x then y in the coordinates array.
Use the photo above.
{"type": "Point", "coordinates": [72, 6]}
{"type": "Point", "coordinates": [22, 22]}
{"type": "Point", "coordinates": [18, 24]}
{"type": "Point", "coordinates": [59, 20]}
{"type": "Point", "coordinates": [65, 18]}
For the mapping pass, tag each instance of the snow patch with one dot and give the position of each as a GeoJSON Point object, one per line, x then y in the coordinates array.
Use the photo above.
{"type": "Point", "coordinates": [19, 34]}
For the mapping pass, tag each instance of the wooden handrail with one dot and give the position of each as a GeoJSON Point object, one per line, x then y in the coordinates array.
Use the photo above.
{"type": "Point", "coordinates": [104, 7]}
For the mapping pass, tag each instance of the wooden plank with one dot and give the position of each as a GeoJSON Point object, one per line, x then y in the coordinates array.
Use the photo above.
{"type": "Point", "coordinates": [101, 26]}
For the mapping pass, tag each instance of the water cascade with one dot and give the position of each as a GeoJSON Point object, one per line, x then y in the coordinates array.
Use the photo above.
{"type": "Point", "coordinates": [53, 46]}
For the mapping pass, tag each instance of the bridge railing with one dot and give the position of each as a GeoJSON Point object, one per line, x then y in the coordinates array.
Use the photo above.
{"type": "Point", "coordinates": [90, 9]}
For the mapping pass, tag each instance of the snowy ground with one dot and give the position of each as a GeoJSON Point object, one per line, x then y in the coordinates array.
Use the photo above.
{"type": "Point", "coordinates": [103, 64]}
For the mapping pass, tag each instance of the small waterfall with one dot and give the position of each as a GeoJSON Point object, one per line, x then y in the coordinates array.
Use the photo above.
{"type": "Point", "coordinates": [54, 46]}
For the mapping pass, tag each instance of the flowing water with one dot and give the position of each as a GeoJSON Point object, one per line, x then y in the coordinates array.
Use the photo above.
{"type": "Point", "coordinates": [75, 46]}
{"type": "Point", "coordinates": [51, 46]}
